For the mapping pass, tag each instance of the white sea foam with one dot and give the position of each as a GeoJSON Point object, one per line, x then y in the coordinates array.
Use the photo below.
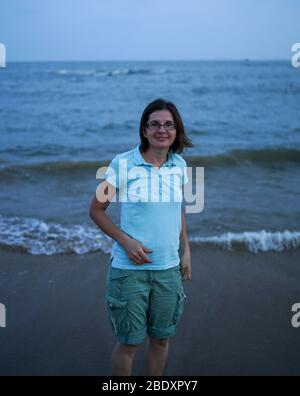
{"type": "Point", "coordinates": [39, 237]}
{"type": "Point", "coordinates": [253, 241]}
{"type": "Point", "coordinates": [75, 72]}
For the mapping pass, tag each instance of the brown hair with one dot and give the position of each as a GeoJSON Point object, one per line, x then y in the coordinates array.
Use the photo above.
{"type": "Point", "coordinates": [181, 140]}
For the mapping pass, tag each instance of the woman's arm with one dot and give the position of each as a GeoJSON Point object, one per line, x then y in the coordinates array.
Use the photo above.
{"type": "Point", "coordinates": [186, 266]}
{"type": "Point", "coordinates": [134, 249]}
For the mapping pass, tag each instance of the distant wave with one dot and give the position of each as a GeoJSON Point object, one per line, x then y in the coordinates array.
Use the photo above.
{"type": "Point", "coordinates": [256, 156]}
{"type": "Point", "coordinates": [237, 89]}
{"type": "Point", "coordinates": [63, 167]}
{"type": "Point", "coordinates": [115, 125]}
{"type": "Point", "coordinates": [253, 241]}
{"type": "Point", "coordinates": [234, 157]}
{"type": "Point", "coordinates": [108, 73]}
{"type": "Point", "coordinates": [64, 72]}
{"type": "Point", "coordinates": [40, 150]}
{"type": "Point", "coordinates": [35, 236]}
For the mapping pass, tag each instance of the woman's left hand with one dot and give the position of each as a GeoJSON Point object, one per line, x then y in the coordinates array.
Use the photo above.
{"type": "Point", "coordinates": [186, 266]}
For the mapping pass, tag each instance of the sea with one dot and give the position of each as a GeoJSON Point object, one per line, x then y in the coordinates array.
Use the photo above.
{"type": "Point", "coordinates": [61, 121]}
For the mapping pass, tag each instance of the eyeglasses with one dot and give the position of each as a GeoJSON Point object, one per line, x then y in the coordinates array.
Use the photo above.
{"type": "Point", "coordinates": [155, 125]}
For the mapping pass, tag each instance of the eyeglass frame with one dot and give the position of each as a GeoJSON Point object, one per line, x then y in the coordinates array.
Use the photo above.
{"type": "Point", "coordinates": [161, 124]}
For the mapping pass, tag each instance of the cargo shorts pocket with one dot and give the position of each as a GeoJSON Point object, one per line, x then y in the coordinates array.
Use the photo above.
{"type": "Point", "coordinates": [119, 274]}
{"type": "Point", "coordinates": [181, 297]}
{"type": "Point", "coordinates": [118, 315]}
{"type": "Point", "coordinates": [117, 280]}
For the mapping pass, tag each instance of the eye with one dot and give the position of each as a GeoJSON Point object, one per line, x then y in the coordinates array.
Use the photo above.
{"type": "Point", "coordinates": [154, 123]}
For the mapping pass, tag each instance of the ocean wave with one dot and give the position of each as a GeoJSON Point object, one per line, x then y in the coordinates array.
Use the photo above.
{"type": "Point", "coordinates": [61, 167]}
{"type": "Point", "coordinates": [35, 236]}
{"type": "Point", "coordinates": [65, 72]}
{"type": "Point", "coordinates": [48, 149]}
{"type": "Point", "coordinates": [107, 73]}
{"type": "Point", "coordinates": [238, 89]}
{"type": "Point", "coordinates": [263, 156]}
{"type": "Point", "coordinates": [234, 157]}
{"type": "Point", "coordinates": [253, 241]}
{"type": "Point", "coordinates": [118, 126]}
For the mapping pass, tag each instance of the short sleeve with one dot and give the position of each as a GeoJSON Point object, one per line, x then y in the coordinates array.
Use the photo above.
{"type": "Point", "coordinates": [111, 175]}
{"type": "Point", "coordinates": [185, 178]}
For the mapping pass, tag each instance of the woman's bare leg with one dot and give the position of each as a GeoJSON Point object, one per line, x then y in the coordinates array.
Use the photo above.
{"type": "Point", "coordinates": [122, 359]}
{"type": "Point", "coordinates": [156, 356]}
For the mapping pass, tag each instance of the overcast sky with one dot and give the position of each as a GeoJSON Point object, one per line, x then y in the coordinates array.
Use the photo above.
{"type": "Point", "coordinates": [149, 29]}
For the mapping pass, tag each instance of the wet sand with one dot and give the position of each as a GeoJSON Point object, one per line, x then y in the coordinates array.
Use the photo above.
{"type": "Point", "coordinates": [237, 318]}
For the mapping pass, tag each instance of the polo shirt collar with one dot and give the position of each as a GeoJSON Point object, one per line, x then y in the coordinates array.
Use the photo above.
{"type": "Point", "coordinates": [139, 159]}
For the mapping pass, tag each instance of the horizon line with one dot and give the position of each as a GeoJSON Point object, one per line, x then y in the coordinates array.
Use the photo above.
{"type": "Point", "coordinates": [149, 60]}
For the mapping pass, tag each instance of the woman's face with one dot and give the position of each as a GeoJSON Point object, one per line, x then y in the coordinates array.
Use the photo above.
{"type": "Point", "coordinates": [160, 137]}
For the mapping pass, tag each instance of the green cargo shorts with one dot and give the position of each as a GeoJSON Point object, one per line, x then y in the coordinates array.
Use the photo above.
{"type": "Point", "coordinates": [141, 302]}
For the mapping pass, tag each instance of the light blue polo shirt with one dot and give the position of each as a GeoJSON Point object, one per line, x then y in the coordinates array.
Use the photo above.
{"type": "Point", "coordinates": [150, 212]}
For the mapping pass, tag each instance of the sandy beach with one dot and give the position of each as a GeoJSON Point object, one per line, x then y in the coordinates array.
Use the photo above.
{"type": "Point", "coordinates": [237, 318]}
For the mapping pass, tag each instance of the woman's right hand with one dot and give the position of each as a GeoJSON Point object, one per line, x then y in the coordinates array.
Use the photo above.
{"type": "Point", "coordinates": [136, 251]}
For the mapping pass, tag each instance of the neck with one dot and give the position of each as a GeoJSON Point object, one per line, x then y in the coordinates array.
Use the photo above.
{"type": "Point", "coordinates": [156, 156]}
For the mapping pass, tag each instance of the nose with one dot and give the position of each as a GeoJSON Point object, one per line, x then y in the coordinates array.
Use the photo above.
{"type": "Point", "coordinates": [161, 126]}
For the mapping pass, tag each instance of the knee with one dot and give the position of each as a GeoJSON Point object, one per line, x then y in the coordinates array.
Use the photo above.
{"type": "Point", "coordinates": [159, 342]}
{"type": "Point", "coordinates": [128, 349]}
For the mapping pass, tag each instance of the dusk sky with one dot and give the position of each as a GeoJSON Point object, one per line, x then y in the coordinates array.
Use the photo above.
{"type": "Point", "coordinates": [149, 30]}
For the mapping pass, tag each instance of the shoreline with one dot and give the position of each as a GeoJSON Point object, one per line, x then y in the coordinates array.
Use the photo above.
{"type": "Point", "coordinates": [237, 319]}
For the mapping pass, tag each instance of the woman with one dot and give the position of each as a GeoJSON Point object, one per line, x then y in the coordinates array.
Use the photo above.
{"type": "Point", "coordinates": [145, 295]}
